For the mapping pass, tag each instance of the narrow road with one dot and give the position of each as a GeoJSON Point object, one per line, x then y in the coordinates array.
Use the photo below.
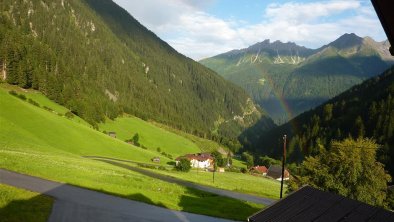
{"type": "Point", "coordinates": [227, 193]}
{"type": "Point", "coordinates": [74, 204]}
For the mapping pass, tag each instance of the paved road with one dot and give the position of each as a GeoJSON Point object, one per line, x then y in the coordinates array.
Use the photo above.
{"type": "Point", "coordinates": [227, 193]}
{"type": "Point", "coordinates": [74, 204]}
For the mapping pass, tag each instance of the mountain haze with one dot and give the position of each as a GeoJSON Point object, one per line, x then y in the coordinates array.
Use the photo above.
{"type": "Point", "coordinates": [286, 79]}
{"type": "Point", "coordinates": [97, 60]}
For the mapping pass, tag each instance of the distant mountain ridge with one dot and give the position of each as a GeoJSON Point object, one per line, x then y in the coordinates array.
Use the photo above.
{"type": "Point", "coordinates": [279, 75]}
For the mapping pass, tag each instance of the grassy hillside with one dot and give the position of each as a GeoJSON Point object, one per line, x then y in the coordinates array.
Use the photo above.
{"type": "Point", "coordinates": [55, 143]}
{"type": "Point", "coordinates": [22, 205]}
{"type": "Point", "coordinates": [150, 136]}
{"type": "Point", "coordinates": [25, 126]}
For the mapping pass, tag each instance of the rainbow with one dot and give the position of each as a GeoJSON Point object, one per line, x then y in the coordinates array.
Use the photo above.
{"type": "Point", "coordinates": [278, 94]}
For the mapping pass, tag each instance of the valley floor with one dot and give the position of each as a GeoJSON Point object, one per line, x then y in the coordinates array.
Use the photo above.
{"type": "Point", "coordinates": [170, 179]}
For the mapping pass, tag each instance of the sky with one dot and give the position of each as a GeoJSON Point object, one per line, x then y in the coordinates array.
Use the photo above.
{"type": "Point", "coordinates": [204, 28]}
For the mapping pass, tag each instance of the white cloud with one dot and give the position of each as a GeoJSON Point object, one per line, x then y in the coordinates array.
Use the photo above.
{"type": "Point", "coordinates": [186, 26]}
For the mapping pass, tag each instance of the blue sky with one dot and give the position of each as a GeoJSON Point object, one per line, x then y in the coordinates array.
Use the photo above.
{"type": "Point", "coordinates": [204, 28]}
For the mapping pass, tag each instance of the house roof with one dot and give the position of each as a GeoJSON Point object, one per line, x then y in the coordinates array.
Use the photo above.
{"type": "Point", "coordinates": [198, 156]}
{"type": "Point", "coordinates": [384, 10]}
{"type": "Point", "coordinates": [261, 169]}
{"type": "Point", "coordinates": [310, 204]}
{"type": "Point", "coordinates": [275, 171]}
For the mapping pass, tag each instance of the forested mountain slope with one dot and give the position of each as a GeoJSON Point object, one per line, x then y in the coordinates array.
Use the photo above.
{"type": "Point", "coordinates": [365, 110]}
{"type": "Point", "coordinates": [97, 60]}
{"type": "Point", "coordinates": [287, 79]}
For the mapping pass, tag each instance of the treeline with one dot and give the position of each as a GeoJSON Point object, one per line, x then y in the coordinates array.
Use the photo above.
{"type": "Point", "coordinates": [98, 61]}
{"type": "Point", "coordinates": [364, 111]}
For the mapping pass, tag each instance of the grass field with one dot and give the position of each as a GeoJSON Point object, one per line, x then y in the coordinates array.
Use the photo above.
{"type": "Point", "coordinates": [239, 182]}
{"type": "Point", "coordinates": [106, 178]}
{"type": "Point", "coordinates": [204, 145]}
{"type": "Point", "coordinates": [150, 136]}
{"type": "Point", "coordinates": [22, 205]}
{"type": "Point", "coordinates": [37, 142]}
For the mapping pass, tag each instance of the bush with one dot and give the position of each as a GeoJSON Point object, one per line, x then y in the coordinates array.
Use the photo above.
{"type": "Point", "coordinates": [33, 102]}
{"type": "Point", "coordinates": [69, 115]}
{"type": "Point", "coordinates": [21, 96]}
{"type": "Point", "coordinates": [146, 166]}
{"type": "Point", "coordinates": [172, 163]}
{"type": "Point", "coordinates": [12, 92]}
{"type": "Point", "coordinates": [47, 108]}
{"type": "Point", "coordinates": [183, 165]}
{"type": "Point", "coordinates": [244, 170]}
{"type": "Point", "coordinates": [162, 168]}
{"type": "Point", "coordinates": [136, 139]}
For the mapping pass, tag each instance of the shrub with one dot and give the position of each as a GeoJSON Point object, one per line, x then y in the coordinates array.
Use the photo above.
{"type": "Point", "coordinates": [69, 115]}
{"type": "Point", "coordinates": [12, 92]}
{"type": "Point", "coordinates": [33, 102]}
{"type": "Point", "coordinates": [21, 96]}
{"type": "Point", "coordinates": [162, 168]}
{"type": "Point", "coordinates": [47, 108]}
{"type": "Point", "coordinates": [183, 165]}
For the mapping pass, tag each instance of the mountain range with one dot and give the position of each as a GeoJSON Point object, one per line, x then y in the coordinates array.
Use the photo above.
{"type": "Point", "coordinates": [287, 79]}
{"type": "Point", "coordinates": [94, 58]}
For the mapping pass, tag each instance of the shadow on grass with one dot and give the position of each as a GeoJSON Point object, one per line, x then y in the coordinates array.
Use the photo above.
{"type": "Point", "coordinates": [201, 202]}
{"type": "Point", "coordinates": [36, 209]}
{"type": "Point", "coordinates": [196, 200]}
{"type": "Point", "coordinates": [145, 199]}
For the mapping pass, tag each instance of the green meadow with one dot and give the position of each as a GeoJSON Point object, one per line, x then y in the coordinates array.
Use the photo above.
{"type": "Point", "coordinates": [238, 182]}
{"type": "Point", "coordinates": [150, 136]}
{"type": "Point", "coordinates": [22, 205]}
{"type": "Point", "coordinates": [41, 143]}
{"type": "Point", "coordinates": [26, 126]}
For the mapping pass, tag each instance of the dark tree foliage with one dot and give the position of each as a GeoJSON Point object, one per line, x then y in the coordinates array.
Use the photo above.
{"type": "Point", "coordinates": [183, 165]}
{"type": "Point", "coordinates": [349, 168]}
{"type": "Point", "coordinates": [95, 59]}
{"type": "Point", "coordinates": [218, 158]}
{"type": "Point", "coordinates": [366, 110]}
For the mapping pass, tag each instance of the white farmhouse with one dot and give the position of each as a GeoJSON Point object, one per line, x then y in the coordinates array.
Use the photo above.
{"type": "Point", "coordinates": [199, 160]}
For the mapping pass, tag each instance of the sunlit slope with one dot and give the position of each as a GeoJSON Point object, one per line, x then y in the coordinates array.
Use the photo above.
{"type": "Point", "coordinates": [150, 136]}
{"type": "Point", "coordinates": [24, 126]}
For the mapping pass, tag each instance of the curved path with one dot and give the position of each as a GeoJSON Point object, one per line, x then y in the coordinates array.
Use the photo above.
{"type": "Point", "coordinates": [74, 204]}
{"type": "Point", "coordinates": [227, 193]}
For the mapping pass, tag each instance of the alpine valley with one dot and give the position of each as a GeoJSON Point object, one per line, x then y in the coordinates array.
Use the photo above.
{"type": "Point", "coordinates": [94, 58]}
{"type": "Point", "coordinates": [286, 79]}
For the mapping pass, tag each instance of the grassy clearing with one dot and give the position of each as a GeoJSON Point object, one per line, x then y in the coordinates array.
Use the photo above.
{"type": "Point", "coordinates": [44, 102]}
{"type": "Point", "coordinates": [114, 180]}
{"type": "Point", "coordinates": [22, 205]}
{"type": "Point", "coordinates": [204, 145]}
{"type": "Point", "coordinates": [150, 136]}
{"type": "Point", "coordinates": [56, 144]}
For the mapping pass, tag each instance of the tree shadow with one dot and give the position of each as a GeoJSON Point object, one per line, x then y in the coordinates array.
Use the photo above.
{"type": "Point", "coordinates": [142, 198]}
{"type": "Point", "coordinates": [35, 209]}
{"type": "Point", "coordinates": [214, 205]}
